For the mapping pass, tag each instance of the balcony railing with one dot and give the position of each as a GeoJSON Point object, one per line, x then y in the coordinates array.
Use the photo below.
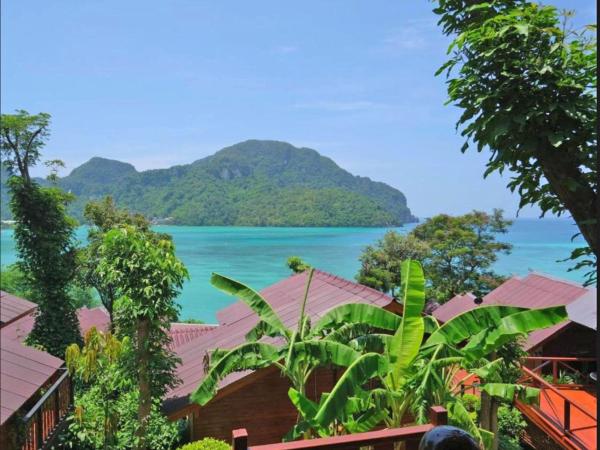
{"type": "Point", "coordinates": [381, 439]}
{"type": "Point", "coordinates": [562, 415]}
{"type": "Point", "coordinates": [46, 418]}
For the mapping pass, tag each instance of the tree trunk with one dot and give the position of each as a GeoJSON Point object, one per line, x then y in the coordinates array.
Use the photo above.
{"type": "Point", "coordinates": [489, 416]}
{"type": "Point", "coordinates": [579, 199]}
{"type": "Point", "coordinates": [145, 400]}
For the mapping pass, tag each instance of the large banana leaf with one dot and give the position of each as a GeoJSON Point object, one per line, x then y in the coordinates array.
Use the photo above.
{"type": "Point", "coordinates": [261, 329]}
{"type": "Point", "coordinates": [367, 366]}
{"type": "Point", "coordinates": [365, 421]}
{"type": "Point", "coordinates": [459, 416]}
{"type": "Point", "coordinates": [251, 298]}
{"type": "Point", "coordinates": [357, 313]}
{"type": "Point", "coordinates": [431, 324]}
{"type": "Point", "coordinates": [468, 324]}
{"type": "Point", "coordinates": [248, 356]}
{"type": "Point", "coordinates": [521, 323]}
{"type": "Point", "coordinates": [372, 343]}
{"type": "Point", "coordinates": [507, 392]}
{"type": "Point", "coordinates": [323, 352]}
{"type": "Point", "coordinates": [346, 333]}
{"type": "Point", "coordinates": [406, 342]}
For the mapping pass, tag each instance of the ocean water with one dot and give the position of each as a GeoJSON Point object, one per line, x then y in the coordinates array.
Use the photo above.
{"type": "Point", "coordinates": [257, 256]}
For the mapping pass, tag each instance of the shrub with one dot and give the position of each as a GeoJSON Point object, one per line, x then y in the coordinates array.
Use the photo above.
{"type": "Point", "coordinates": [472, 402]}
{"type": "Point", "coordinates": [206, 444]}
{"type": "Point", "coordinates": [510, 426]}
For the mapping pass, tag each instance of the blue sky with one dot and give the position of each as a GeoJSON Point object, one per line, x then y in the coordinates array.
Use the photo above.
{"type": "Point", "coordinates": [163, 83]}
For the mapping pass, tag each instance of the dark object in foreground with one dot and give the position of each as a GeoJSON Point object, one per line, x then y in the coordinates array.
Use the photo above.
{"type": "Point", "coordinates": [446, 437]}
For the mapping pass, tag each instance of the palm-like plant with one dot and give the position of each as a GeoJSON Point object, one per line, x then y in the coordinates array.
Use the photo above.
{"type": "Point", "coordinates": [413, 374]}
{"type": "Point", "coordinates": [298, 351]}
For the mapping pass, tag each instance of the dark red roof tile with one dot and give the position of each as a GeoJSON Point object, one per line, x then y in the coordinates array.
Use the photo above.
{"type": "Point", "coordinates": [23, 371]}
{"type": "Point", "coordinates": [13, 308]}
{"type": "Point", "coordinates": [533, 291]}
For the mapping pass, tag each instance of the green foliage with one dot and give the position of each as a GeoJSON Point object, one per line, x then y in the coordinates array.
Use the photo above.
{"type": "Point", "coordinates": [102, 216]}
{"type": "Point", "coordinates": [85, 431]}
{"type": "Point", "coordinates": [303, 348]}
{"type": "Point", "coordinates": [144, 269]}
{"type": "Point", "coordinates": [457, 253]}
{"type": "Point", "coordinates": [472, 404]}
{"type": "Point", "coordinates": [191, 320]}
{"type": "Point", "coordinates": [14, 281]}
{"type": "Point", "coordinates": [44, 233]}
{"type": "Point", "coordinates": [526, 83]}
{"type": "Point", "coordinates": [462, 250]}
{"type": "Point", "coordinates": [206, 444]}
{"type": "Point", "coordinates": [380, 263]}
{"type": "Point", "coordinates": [413, 375]}
{"type": "Point", "coordinates": [296, 264]}
{"type": "Point", "coordinates": [22, 136]}
{"type": "Point", "coordinates": [563, 378]}
{"type": "Point", "coordinates": [254, 183]}
{"type": "Point", "coordinates": [44, 238]}
{"type": "Point", "coordinates": [510, 427]}
{"type": "Point", "coordinates": [105, 412]}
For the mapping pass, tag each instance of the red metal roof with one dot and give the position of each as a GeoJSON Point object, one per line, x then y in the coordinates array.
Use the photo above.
{"type": "Point", "coordinates": [182, 333]}
{"type": "Point", "coordinates": [533, 291]}
{"type": "Point", "coordinates": [24, 370]}
{"type": "Point", "coordinates": [88, 317]}
{"type": "Point", "coordinates": [13, 308]}
{"type": "Point", "coordinates": [326, 292]}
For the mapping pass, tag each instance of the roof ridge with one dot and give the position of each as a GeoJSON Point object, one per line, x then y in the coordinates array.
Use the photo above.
{"type": "Point", "coordinates": [554, 278]}
{"type": "Point", "coordinates": [345, 282]}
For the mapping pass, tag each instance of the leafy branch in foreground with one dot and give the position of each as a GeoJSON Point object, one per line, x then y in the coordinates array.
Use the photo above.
{"type": "Point", "coordinates": [526, 85]}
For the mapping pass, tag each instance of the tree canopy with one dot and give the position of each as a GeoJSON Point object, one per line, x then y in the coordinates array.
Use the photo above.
{"type": "Point", "coordinates": [525, 81]}
{"type": "Point", "coordinates": [457, 253]}
{"type": "Point", "coordinates": [44, 233]}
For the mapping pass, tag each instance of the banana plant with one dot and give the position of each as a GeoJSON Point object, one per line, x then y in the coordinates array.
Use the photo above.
{"type": "Point", "coordinates": [295, 351]}
{"type": "Point", "coordinates": [414, 373]}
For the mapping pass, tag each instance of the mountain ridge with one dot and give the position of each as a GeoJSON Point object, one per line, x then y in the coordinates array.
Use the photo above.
{"type": "Point", "coordinates": [254, 182]}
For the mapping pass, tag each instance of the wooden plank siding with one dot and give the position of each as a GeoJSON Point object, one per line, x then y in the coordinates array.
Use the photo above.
{"type": "Point", "coordinates": [258, 402]}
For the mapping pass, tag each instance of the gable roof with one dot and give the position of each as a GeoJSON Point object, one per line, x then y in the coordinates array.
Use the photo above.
{"type": "Point", "coordinates": [88, 318]}
{"type": "Point", "coordinates": [326, 291]}
{"type": "Point", "coordinates": [13, 308]}
{"type": "Point", "coordinates": [24, 371]}
{"type": "Point", "coordinates": [533, 291]}
{"type": "Point", "coordinates": [182, 333]}
{"type": "Point", "coordinates": [584, 310]}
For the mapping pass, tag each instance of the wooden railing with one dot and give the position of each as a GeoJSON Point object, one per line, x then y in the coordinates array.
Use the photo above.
{"type": "Point", "coordinates": [561, 425]}
{"type": "Point", "coordinates": [381, 439]}
{"type": "Point", "coordinates": [559, 364]}
{"type": "Point", "coordinates": [47, 416]}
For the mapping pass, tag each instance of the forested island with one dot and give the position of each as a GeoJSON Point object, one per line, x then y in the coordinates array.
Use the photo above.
{"type": "Point", "coordinates": [252, 183]}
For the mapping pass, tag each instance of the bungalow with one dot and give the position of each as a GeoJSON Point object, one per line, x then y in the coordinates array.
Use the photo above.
{"type": "Point", "coordinates": [561, 360]}
{"type": "Point", "coordinates": [574, 337]}
{"type": "Point", "coordinates": [35, 391]}
{"type": "Point", "coordinates": [258, 400]}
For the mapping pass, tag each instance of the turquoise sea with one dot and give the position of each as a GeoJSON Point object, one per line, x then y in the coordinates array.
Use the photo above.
{"type": "Point", "coordinates": [257, 256]}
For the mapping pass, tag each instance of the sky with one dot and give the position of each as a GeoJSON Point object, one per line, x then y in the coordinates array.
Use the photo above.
{"type": "Point", "coordinates": [159, 83]}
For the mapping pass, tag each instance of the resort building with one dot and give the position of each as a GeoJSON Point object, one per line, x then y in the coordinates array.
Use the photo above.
{"type": "Point", "coordinates": [257, 401]}
{"type": "Point", "coordinates": [562, 358]}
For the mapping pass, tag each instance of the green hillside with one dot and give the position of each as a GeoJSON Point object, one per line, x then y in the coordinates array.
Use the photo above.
{"type": "Point", "coordinates": [256, 183]}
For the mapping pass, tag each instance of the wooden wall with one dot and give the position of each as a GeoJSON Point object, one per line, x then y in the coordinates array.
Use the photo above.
{"type": "Point", "coordinates": [261, 406]}
{"type": "Point", "coordinates": [575, 340]}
